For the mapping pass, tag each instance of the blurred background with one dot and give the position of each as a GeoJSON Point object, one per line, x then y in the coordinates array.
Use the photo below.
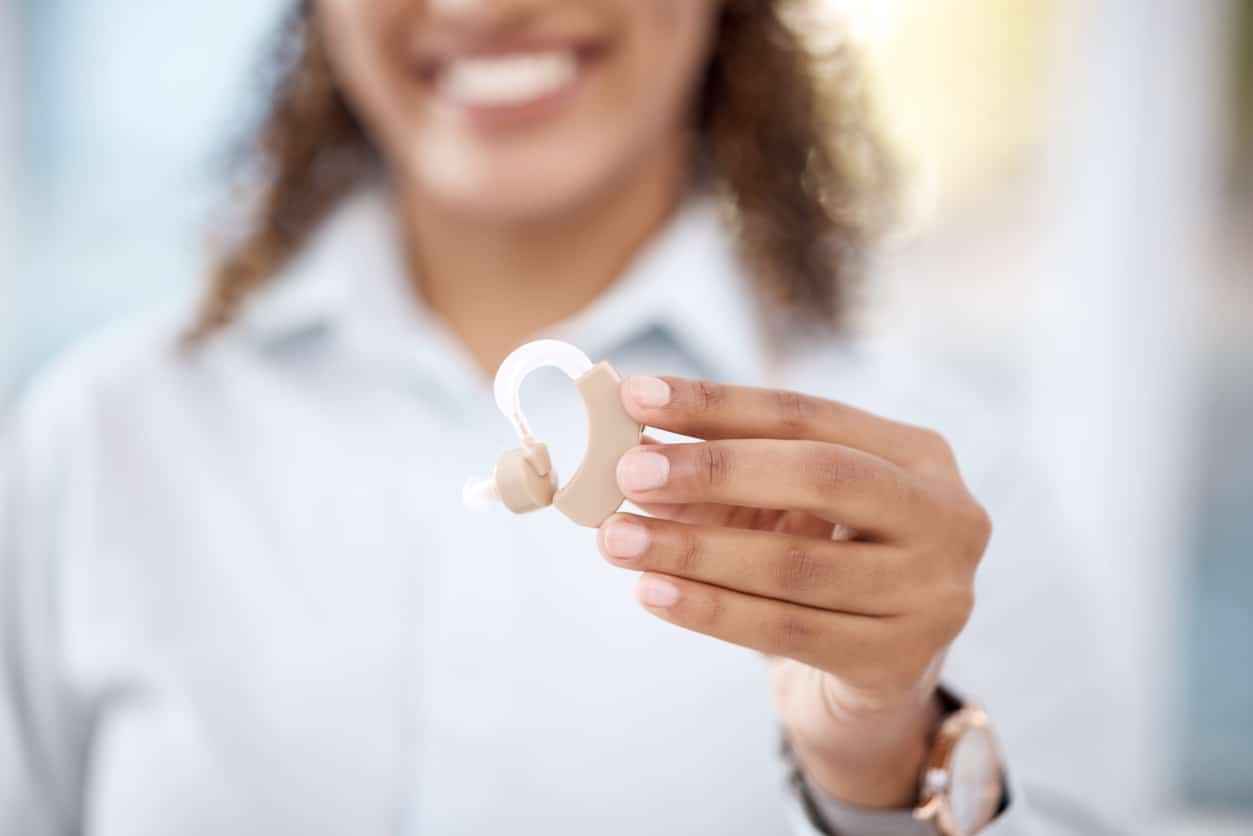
{"type": "Point", "coordinates": [1078, 246]}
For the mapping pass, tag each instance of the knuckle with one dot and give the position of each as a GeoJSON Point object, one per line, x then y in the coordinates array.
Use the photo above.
{"type": "Point", "coordinates": [791, 634]}
{"type": "Point", "coordinates": [936, 442]}
{"type": "Point", "coordinates": [833, 471]}
{"type": "Point", "coordinates": [793, 411]}
{"type": "Point", "coordinates": [708, 396]}
{"type": "Point", "coordinates": [687, 553]}
{"type": "Point", "coordinates": [958, 604]}
{"type": "Point", "coordinates": [713, 613]}
{"type": "Point", "coordinates": [887, 582]}
{"type": "Point", "coordinates": [799, 570]}
{"type": "Point", "coordinates": [961, 604]}
{"type": "Point", "coordinates": [981, 525]}
{"type": "Point", "coordinates": [934, 449]}
{"type": "Point", "coordinates": [976, 530]}
{"type": "Point", "coordinates": [715, 464]}
{"type": "Point", "coordinates": [908, 492]}
{"type": "Point", "coordinates": [948, 608]}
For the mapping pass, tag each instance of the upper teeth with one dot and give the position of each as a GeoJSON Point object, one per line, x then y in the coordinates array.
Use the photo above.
{"type": "Point", "coordinates": [508, 79]}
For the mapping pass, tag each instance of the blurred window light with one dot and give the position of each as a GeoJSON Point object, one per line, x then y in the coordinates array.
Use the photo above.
{"type": "Point", "coordinates": [8, 192]}
{"type": "Point", "coordinates": [1242, 91]}
{"type": "Point", "coordinates": [961, 86]}
{"type": "Point", "coordinates": [982, 98]}
{"type": "Point", "coordinates": [123, 118]}
{"type": "Point", "coordinates": [872, 22]}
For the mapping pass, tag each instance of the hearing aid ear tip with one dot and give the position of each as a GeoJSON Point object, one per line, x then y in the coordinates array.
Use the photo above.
{"type": "Point", "coordinates": [479, 494]}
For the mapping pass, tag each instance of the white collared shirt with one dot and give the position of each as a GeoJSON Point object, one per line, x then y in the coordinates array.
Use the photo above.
{"type": "Point", "coordinates": [239, 593]}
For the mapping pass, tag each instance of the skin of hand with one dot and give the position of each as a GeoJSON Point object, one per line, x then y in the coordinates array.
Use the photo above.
{"type": "Point", "coordinates": [840, 544]}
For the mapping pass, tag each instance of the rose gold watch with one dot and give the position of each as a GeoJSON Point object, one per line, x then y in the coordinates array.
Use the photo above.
{"type": "Point", "coordinates": [963, 781]}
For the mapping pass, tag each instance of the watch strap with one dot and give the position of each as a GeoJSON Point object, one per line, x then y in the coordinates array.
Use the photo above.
{"type": "Point", "coordinates": [838, 819]}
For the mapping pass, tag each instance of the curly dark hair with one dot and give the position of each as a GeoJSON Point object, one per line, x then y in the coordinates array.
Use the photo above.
{"type": "Point", "coordinates": [783, 131]}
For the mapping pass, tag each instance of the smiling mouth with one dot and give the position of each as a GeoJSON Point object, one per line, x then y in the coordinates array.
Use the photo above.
{"type": "Point", "coordinates": [509, 80]}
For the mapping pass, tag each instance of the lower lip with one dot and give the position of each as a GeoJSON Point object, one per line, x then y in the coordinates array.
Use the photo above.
{"type": "Point", "coordinates": [517, 114]}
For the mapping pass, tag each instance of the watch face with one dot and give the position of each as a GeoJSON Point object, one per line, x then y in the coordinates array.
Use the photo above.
{"type": "Point", "coordinates": [975, 780]}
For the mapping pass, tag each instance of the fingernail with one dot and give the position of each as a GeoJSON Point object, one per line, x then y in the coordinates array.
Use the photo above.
{"type": "Point", "coordinates": [641, 470]}
{"type": "Point", "coordinates": [623, 539]}
{"type": "Point", "coordinates": [657, 592]}
{"type": "Point", "coordinates": [648, 391]}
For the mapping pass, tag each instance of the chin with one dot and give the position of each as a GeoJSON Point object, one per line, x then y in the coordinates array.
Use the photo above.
{"type": "Point", "coordinates": [514, 190]}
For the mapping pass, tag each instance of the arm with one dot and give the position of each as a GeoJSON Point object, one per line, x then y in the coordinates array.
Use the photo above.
{"type": "Point", "coordinates": [1042, 678]}
{"type": "Point", "coordinates": [1066, 775]}
{"type": "Point", "coordinates": [845, 547]}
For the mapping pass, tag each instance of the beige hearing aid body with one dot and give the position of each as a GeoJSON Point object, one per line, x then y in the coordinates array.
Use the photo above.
{"type": "Point", "coordinates": [524, 479]}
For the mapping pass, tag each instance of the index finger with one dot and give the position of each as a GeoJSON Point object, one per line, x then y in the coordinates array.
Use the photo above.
{"type": "Point", "coordinates": [707, 410]}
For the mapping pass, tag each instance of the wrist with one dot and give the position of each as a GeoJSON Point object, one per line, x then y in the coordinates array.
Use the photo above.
{"type": "Point", "coordinates": [877, 765]}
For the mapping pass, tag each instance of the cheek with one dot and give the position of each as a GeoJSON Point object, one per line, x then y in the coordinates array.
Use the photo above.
{"type": "Point", "coordinates": [368, 58]}
{"type": "Point", "coordinates": [671, 46]}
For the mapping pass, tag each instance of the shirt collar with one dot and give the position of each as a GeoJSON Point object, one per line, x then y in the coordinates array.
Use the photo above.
{"type": "Point", "coordinates": [688, 282]}
{"type": "Point", "coordinates": [314, 291]}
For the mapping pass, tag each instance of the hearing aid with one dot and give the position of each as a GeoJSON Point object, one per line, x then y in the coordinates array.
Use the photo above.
{"type": "Point", "coordinates": [524, 479]}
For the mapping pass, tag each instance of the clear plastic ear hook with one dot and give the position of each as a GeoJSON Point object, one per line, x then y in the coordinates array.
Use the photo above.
{"type": "Point", "coordinates": [529, 358]}
{"type": "Point", "coordinates": [482, 493]}
{"type": "Point", "coordinates": [523, 479]}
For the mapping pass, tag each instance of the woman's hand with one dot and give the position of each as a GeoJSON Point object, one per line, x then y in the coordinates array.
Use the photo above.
{"type": "Point", "coordinates": [839, 543]}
